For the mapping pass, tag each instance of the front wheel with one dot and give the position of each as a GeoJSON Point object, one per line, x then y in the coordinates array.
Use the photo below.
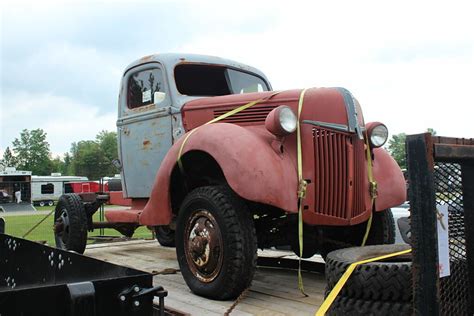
{"type": "Point", "coordinates": [216, 244]}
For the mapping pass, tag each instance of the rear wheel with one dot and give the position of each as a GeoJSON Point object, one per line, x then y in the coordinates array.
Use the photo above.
{"type": "Point", "coordinates": [41, 203]}
{"type": "Point", "coordinates": [70, 223]}
{"type": "Point", "coordinates": [50, 203]}
{"type": "Point", "coordinates": [216, 243]}
{"type": "Point", "coordinates": [165, 235]}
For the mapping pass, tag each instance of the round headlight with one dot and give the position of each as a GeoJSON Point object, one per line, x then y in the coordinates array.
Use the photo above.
{"type": "Point", "coordinates": [281, 121]}
{"type": "Point", "coordinates": [378, 135]}
{"type": "Point", "coordinates": [287, 119]}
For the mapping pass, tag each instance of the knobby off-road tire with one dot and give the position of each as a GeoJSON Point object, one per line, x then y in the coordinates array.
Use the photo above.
{"type": "Point", "coordinates": [382, 232]}
{"type": "Point", "coordinates": [165, 236]}
{"type": "Point", "coordinates": [216, 243]}
{"type": "Point", "coordinates": [387, 281]}
{"type": "Point", "coordinates": [70, 223]}
{"type": "Point", "coordinates": [355, 307]}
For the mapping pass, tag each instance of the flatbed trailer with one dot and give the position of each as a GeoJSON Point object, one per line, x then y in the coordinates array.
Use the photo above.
{"type": "Point", "coordinates": [274, 290]}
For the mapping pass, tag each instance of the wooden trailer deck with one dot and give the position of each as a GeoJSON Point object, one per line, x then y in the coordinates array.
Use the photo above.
{"type": "Point", "coordinates": [274, 291]}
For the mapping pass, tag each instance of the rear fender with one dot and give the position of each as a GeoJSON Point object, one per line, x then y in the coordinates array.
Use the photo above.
{"type": "Point", "coordinates": [391, 185]}
{"type": "Point", "coordinates": [252, 167]}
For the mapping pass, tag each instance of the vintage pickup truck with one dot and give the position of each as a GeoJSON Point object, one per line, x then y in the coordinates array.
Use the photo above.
{"type": "Point", "coordinates": [218, 184]}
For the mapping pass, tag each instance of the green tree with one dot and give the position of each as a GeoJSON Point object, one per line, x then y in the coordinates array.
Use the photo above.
{"type": "Point", "coordinates": [8, 159]}
{"type": "Point", "coordinates": [67, 166]}
{"type": "Point", "coordinates": [108, 145]}
{"type": "Point", "coordinates": [57, 165]}
{"type": "Point", "coordinates": [93, 158]}
{"type": "Point", "coordinates": [396, 147]}
{"type": "Point", "coordinates": [88, 159]}
{"type": "Point", "coordinates": [431, 130]}
{"type": "Point", "coordinates": [32, 152]}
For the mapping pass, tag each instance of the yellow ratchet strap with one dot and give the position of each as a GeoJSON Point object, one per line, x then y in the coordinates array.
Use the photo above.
{"type": "Point", "coordinates": [223, 116]}
{"type": "Point", "coordinates": [337, 288]}
{"type": "Point", "coordinates": [301, 190]}
{"type": "Point", "coordinates": [372, 188]}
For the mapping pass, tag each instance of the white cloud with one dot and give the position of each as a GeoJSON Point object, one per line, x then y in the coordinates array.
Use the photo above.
{"type": "Point", "coordinates": [63, 119]}
{"type": "Point", "coordinates": [410, 63]}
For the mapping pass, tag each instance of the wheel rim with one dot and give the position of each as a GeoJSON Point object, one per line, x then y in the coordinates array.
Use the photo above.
{"type": "Point", "coordinates": [61, 228]}
{"type": "Point", "coordinates": [41, 204]}
{"type": "Point", "coordinates": [50, 203]}
{"type": "Point", "coordinates": [203, 246]}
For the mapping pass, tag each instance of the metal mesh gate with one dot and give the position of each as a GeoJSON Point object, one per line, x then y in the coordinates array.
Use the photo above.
{"type": "Point", "coordinates": [453, 290]}
{"type": "Point", "coordinates": [441, 173]}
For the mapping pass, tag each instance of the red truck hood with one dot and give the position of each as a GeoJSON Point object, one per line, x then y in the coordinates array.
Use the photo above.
{"type": "Point", "coordinates": [329, 105]}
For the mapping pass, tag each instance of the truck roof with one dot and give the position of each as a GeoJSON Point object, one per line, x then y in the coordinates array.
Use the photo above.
{"type": "Point", "coordinates": [170, 60]}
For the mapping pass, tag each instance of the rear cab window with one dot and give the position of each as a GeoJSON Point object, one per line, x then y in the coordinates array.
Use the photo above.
{"type": "Point", "coordinates": [145, 87]}
{"type": "Point", "coordinates": [212, 80]}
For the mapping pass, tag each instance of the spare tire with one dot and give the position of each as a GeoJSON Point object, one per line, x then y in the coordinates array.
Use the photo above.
{"type": "Point", "coordinates": [355, 307]}
{"type": "Point", "coordinates": [389, 280]}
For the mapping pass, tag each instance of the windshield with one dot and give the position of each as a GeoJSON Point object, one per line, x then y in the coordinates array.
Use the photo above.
{"type": "Point", "coordinates": [211, 80]}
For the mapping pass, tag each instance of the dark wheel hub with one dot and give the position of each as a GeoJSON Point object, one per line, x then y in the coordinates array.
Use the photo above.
{"type": "Point", "coordinates": [61, 226]}
{"type": "Point", "coordinates": [203, 246]}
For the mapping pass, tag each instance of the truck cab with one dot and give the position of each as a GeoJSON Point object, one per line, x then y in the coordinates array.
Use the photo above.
{"type": "Point", "coordinates": [153, 92]}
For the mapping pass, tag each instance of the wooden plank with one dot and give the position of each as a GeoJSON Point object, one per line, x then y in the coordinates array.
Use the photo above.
{"type": "Point", "coordinates": [274, 291]}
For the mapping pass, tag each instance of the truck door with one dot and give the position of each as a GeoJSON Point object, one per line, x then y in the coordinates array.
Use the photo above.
{"type": "Point", "coordinates": [144, 127]}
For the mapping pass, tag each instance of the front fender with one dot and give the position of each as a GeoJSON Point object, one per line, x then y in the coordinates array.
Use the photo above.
{"type": "Point", "coordinates": [391, 185]}
{"type": "Point", "coordinates": [253, 168]}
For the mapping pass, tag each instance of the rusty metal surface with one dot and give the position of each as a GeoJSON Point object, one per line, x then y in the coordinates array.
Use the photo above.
{"type": "Point", "coordinates": [441, 172]}
{"type": "Point", "coordinates": [423, 220]}
{"type": "Point", "coordinates": [453, 152]}
{"type": "Point", "coordinates": [253, 165]}
{"type": "Point", "coordinates": [203, 246]}
{"type": "Point", "coordinates": [270, 176]}
{"type": "Point", "coordinates": [391, 185]}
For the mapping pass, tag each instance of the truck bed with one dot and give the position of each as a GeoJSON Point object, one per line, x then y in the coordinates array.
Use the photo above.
{"type": "Point", "coordinates": [274, 290]}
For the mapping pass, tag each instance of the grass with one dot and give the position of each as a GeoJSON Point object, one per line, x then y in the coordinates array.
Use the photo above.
{"type": "Point", "coordinates": [18, 225]}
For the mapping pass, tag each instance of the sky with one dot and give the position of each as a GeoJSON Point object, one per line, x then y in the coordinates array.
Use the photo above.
{"type": "Point", "coordinates": [409, 63]}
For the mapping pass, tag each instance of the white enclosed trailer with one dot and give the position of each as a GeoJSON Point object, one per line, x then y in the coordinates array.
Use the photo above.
{"type": "Point", "coordinates": [47, 189]}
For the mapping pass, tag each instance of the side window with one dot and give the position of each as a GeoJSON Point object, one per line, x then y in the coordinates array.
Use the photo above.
{"type": "Point", "coordinates": [47, 188]}
{"type": "Point", "coordinates": [145, 87]}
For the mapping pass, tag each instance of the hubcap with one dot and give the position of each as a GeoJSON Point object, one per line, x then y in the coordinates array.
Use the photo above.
{"type": "Point", "coordinates": [203, 246]}
{"type": "Point", "coordinates": [61, 227]}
